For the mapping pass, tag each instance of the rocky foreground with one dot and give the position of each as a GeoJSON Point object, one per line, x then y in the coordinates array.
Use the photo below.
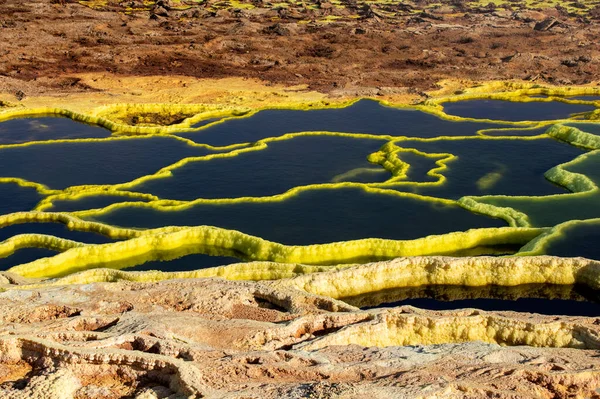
{"type": "Point", "coordinates": [225, 339]}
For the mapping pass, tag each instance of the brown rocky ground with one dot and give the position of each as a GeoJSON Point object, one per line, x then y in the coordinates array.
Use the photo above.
{"type": "Point", "coordinates": [333, 47]}
{"type": "Point", "coordinates": [222, 339]}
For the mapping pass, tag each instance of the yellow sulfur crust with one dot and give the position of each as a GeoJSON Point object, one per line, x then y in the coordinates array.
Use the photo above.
{"type": "Point", "coordinates": [150, 118]}
{"type": "Point", "coordinates": [174, 242]}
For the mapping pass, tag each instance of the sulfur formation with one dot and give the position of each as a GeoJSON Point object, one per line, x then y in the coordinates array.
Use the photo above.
{"type": "Point", "coordinates": [530, 227]}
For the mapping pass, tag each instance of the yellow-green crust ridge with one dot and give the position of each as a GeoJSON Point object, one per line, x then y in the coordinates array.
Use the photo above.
{"type": "Point", "coordinates": [139, 246]}
{"type": "Point", "coordinates": [579, 184]}
{"type": "Point", "coordinates": [396, 328]}
{"type": "Point", "coordinates": [440, 270]}
{"type": "Point", "coordinates": [173, 242]}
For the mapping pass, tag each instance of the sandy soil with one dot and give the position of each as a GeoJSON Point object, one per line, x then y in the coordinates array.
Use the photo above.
{"type": "Point", "coordinates": [352, 45]}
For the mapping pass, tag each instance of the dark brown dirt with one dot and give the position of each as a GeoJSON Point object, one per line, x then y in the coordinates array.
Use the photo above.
{"type": "Point", "coordinates": [409, 44]}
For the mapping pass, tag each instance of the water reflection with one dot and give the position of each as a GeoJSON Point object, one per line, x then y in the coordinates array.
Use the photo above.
{"type": "Point", "coordinates": [574, 300]}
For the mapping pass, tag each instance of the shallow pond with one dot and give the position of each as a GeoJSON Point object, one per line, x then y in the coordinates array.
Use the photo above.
{"type": "Point", "coordinates": [514, 111]}
{"type": "Point", "coordinates": [17, 131]}
{"type": "Point", "coordinates": [310, 177]}
{"type": "Point", "coordinates": [572, 300]}
{"type": "Point", "coordinates": [315, 216]}
{"type": "Point", "coordinates": [365, 116]}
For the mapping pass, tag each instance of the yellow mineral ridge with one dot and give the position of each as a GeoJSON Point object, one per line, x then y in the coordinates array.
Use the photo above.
{"type": "Point", "coordinates": [393, 328]}
{"type": "Point", "coordinates": [141, 246]}
{"type": "Point", "coordinates": [150, 106]}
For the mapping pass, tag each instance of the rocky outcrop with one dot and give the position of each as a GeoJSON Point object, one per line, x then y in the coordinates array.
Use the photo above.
{"type": "Point", "coordinates": [232, 339]}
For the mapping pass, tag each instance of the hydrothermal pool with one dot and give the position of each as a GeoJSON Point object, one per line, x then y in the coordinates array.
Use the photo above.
{"type": "Point", "coordinates": [515, 111]}
{"type": "Point", "coordinates": [42, 129]}
{"type": "Point", "coordinates": [319, 187]}
{"type": "Point", "coordinates": [365, 116]}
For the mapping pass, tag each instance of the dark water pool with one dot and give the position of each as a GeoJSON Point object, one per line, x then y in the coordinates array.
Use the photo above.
{"type": "Point", "coordinates": [109, 162]}
{"type": "Point", "coordinates": [14, 198]}
{"type": "Point", "coordinates": [514, 111]}
{"type": "Point", "coordinates": [582, 239]}
{"type": "Point", "coordinates": [593, 128]}
{"type": "Point", "coordinates": [43, 129]}
{"type": "Point", "coordinates": [363, 117]}
{"type": "Point", "coordinates": [585, 98]}
{"type": "Point", "coordinates": [316, 217]}
{"type": "Point", "coordinates": [516, 132]}
{"type": "Point", "coordinates": [322, 215]}
{"type": "Point", "coordinates": [504, 167]}
{"type": "Point", "coordinates": [53, 229]}
{"type": "Point", "coordinates": [25, 255]}
{"type": "Point", "coordinates": [283, 165]}
{"type": "Point", "coordinates": [92, 202]}
{"type": "Point", "coordinates": [572, 300]}
{"type": "Point", "coordinates": [548, 211]}
{"type": "Point", "coordinates": [187, 263]}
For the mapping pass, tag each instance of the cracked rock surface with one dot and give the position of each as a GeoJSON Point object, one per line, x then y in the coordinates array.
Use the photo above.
{"type": "Point", "coordinates": [224, 339]}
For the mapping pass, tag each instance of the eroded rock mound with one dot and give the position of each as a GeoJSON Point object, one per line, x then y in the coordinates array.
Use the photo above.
{"type": "Point", "coordinates": [218, 338]}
